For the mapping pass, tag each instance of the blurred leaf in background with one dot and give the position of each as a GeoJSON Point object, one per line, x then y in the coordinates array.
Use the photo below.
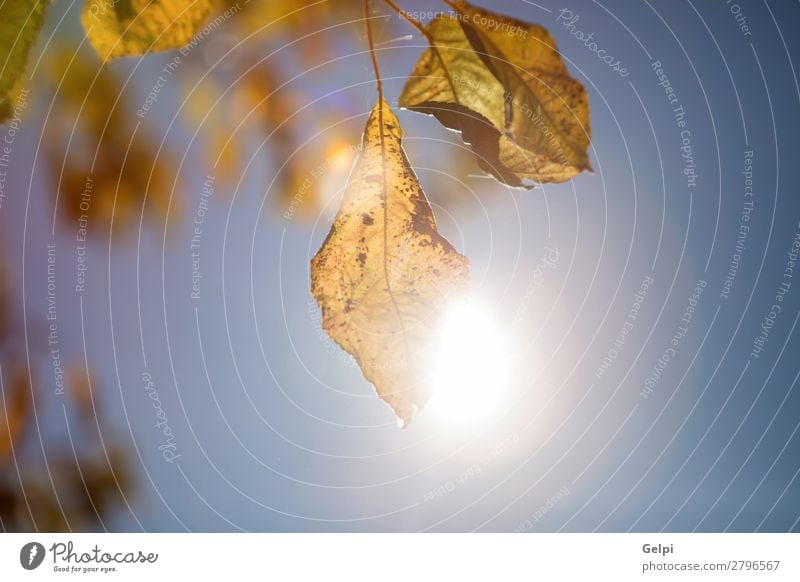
{"type": "Point", "coordinates": [16, 408]}
{"type": "Point", "coordinates": [97, 147]}
{"type": "Point", "coordinates": [123, 28]}
{"type": "Point", "coordinates": [20, 22]}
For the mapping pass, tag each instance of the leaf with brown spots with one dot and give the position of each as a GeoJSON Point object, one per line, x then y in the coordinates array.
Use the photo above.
{"type": "Point", "coordinates": [384, 272]}
{"type": "Point", "coordinates": [502, 83]}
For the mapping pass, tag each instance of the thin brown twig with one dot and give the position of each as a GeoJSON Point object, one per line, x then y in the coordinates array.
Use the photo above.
{"type": "Point", "coordinates": [372, 50]}
{"type": "Point", "coordinates": [385, 184]}
{"type": "Point", "coordinates": [421, 28]}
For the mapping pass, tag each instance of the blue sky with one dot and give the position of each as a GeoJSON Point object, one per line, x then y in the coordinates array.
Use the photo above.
{"type": "Point", "coordinates": [277, 430]}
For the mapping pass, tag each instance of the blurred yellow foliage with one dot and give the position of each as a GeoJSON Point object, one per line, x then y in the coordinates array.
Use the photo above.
{"type": "Point", "coordinates": [123, 28]}
{"type": "Point", "coordinates": [101, 158]}
{"type": "Point", "coordinates": [20, 22]}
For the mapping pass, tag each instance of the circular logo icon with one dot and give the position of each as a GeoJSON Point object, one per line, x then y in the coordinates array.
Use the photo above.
{"type": "Point", "coordinates": [31, 555]}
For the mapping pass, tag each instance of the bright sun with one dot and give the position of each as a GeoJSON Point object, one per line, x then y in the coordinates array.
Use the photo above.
{"type": "Point", "coordinates": [470, 369]}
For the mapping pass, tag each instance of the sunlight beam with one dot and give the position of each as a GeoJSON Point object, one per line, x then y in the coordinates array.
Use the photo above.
{"type": "Point", "coordinates": [471, 365]}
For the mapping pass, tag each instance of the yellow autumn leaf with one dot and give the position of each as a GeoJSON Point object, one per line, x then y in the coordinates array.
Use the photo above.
{"type": "Point", "coordinates": [384, 273]}
{"type": "Point", "coordinates": [502, 83]}
{"type": "Point", "coordinates": [20, 22]}
{"type": "Point", "coordinates": [123, 28]}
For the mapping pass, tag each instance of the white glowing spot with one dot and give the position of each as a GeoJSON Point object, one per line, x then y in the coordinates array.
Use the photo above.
{"type": "Point", "coordinates": [470, 369]}
{"type": "Point", "coordinates": [332, 175]}
{"type": "Point", "coordinates": [339, 157]}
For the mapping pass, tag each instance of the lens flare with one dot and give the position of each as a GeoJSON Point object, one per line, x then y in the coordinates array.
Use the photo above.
{"type": "Point", "coordinates": [471, 365]}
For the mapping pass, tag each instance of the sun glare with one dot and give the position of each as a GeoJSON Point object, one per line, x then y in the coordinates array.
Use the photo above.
{"type": "Point", "coordinates": [470, 370]}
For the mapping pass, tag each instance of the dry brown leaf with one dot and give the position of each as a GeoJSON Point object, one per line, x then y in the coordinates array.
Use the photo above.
{"type": "Point", "coordinates": [384, 273]}
{"type": "Point", "coordinates": [502, 83]}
